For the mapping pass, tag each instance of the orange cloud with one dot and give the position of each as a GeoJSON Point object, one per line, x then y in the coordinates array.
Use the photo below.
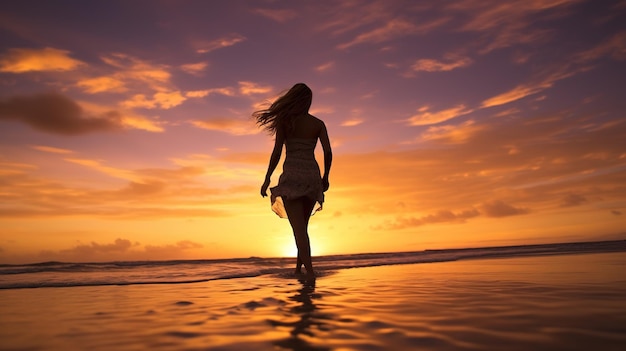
{"type": "Point", "coordinates": [425, 117]}
{"type": "Point", "coordinates": [32, 60]}
{"type": "Point", "coordinates": [156, 77]}
{"type": "Point", "coordinates": [251, 88]}
{"type": "Point", "coordinates": [451, 133]}
{"type": "Point", "coordinates": [163, 100]}
{"type": "Point", "coordinates": [228, 125]}
{"type": "Point", "coordinates": [430, 65]}
{"type": "Point", "coordinates": [50, 149]}
{"type": "Point", "coordinates": [202, 93]}
{"type": "Point", "coordinates": [352, 122]}
{"type": "Point", "coordinates": [102, 84]}
{"type": "Point", "coordinates": [195, 68]}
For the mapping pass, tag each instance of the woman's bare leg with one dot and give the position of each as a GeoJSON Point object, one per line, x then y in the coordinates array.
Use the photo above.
{"type": "Point", "coordinates": [298, 211]}
{"type": "Point", "coordinates": [298, 265]}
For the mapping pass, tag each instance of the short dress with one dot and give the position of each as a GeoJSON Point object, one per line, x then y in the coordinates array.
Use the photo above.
{"type": "Point", "coordinates": [301, 176]}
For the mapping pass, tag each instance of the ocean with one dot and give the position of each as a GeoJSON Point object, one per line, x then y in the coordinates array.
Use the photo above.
{"type": "Point", "coordinates": [62, 274]}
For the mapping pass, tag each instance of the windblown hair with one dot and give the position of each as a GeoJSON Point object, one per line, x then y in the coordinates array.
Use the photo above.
{"type": "Point", "coordinates": [283, 113]}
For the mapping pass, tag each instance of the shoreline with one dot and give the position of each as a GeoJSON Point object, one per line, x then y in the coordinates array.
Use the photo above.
{"type": "Point", "coordinates": [572, 302]}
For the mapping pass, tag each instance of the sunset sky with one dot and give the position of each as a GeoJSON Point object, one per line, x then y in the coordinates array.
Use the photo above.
{"type": "Point", "coordinates": [125, 127]}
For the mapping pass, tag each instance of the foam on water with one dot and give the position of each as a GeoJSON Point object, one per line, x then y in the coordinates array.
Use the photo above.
{"type": "Point", "coordinates": [60, 274]}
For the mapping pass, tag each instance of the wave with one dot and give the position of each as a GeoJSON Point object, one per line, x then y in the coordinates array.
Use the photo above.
{"type": "Point", "coordinates": [62, 274]}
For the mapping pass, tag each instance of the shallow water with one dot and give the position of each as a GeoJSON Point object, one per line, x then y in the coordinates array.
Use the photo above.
{"type": "Point", "coordinates": [571, 302]}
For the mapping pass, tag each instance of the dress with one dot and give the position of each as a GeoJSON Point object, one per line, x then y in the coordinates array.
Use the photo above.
{"type": "Point", "coordinates": [300, 177]}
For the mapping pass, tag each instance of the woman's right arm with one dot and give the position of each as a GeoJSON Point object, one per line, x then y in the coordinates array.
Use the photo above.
{"type": "Point", "coordinates": [328, 155]}
{"type": "Point", "coordinates": [276, 152]}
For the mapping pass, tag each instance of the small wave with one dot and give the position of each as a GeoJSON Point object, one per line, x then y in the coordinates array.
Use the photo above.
{"type": "Point", "coordinates": [59, 274]}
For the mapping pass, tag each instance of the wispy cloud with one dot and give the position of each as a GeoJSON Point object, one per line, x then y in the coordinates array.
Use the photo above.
{"type": "Point", "coordinates": [352, 122]}
{"type": "Point", "coordinates": [228, 125]}
{"type": "Point", "coordinates": [452, 134]}
{"type": "Point", "coordinates": [426, 117]}
{"type": "Point", "coordinates": [33, 60]}
{"type": "Point", "coordinates": [431, 65]}
{"type": "Point", "coordinates": [227, 91]}
{"type": "Point", "coordinates": [278, 15]}
{"type": "Point", "coordinates": [392, 29]}
{"type": "Point", "coordinates": [204, 47]}
{"type": "Point", "coordinates": [504, 24]}
{"type": "Point", "coordinates": [195, 68]}
{"type": "Point", "coordinates": [102, 84]}
{"type": "Point", "coordinates": [51, 149]}
{"type": "Point", "coordinates": [325, 66]}
{"type": "Point", "coordinates": [163, 100]}
{"type": "Point", "coordinates": [252, 88]}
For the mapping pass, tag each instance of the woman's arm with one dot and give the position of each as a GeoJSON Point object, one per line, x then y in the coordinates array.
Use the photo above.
{"type": "Point", "coordinates": [278, 149]}
{"type": "Point", "coordinates": [328, 155]}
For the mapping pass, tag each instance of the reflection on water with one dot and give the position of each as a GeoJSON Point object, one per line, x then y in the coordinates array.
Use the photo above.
{"type": "Point", "coordinates": [303, 318]}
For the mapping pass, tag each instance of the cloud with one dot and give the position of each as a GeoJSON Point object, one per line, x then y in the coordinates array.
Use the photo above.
{"type": "Point", "coordinates": [498, 208]}
{"type": "Point", "coordinates": [163, 100]}
{"type": "Point", "coordinates": [50, 149]}
{"type": "Point", "coordinates": [614, 47]}
{"type": "Point", "coordinates": [111, 171]}
{"type": "Point", "coordinates": [132, 69]}
{"type": "Point", "coordinates": [430, 65]}
{"type": "Point", "coordinates": [325, 67]}
{"type": "Point", "coordinates": [425, 117]}
{"type": "Point", "coordinates": [573, 200]}
{"type": "Point", "coordinates": [228, 125]}
{"type": "Point", "coordinates": [352, 122]}
{"type": "Point", "coordinates": [391, 30]}
{"type": "Point", "coordinates": [452, 134]}
{"type": "Point", "coordinates": [102, 84]}
{"type": "Point", "coordinates": [504, 24]}
{"type": "Point", "coordinates": [119, 249]}
{"type": "Point", "coordinates": [34, 60]}
{"type": "Point", "coordinates": [195, 68]}
{"type": "Point", "coordinates": [172, 250]}
{"type": "Point", "coordinates": [443, 216]}
{"type": "Point", "coordinates": [278, 15]}
{"type": "Point", "coordinates": [55, 113]}
{"type": "Point", "coordinates": [86, 250]}
{"type": "Point", "coordinates": [204, 47]}
{"type": "Point", "coordinates": [251, 88]}
{"type": "Point", "coordinates": [202, 93]}
{"type": "Point", "coordinates": [542, 81]}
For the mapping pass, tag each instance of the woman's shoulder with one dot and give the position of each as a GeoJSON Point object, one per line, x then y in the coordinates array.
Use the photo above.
{"type": "Point", "coordinates": [316, 120]}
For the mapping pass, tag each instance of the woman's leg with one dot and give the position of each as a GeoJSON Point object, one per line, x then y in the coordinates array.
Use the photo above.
{"type": "Point", "coordinates": [306, 213]}
{"type": "Point", "coordinates": [298, 211]}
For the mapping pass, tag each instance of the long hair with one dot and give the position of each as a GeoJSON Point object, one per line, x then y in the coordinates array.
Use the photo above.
{"type": "Point", "coordinates": [283, 112]}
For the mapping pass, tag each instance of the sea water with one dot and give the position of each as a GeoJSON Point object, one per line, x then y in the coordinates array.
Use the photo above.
{"type": "Point", "coordinates": [62, 274]}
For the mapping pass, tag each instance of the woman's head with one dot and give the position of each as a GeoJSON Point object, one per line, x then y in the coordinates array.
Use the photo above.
{"type": "Point", "coordinates": [283, 112]}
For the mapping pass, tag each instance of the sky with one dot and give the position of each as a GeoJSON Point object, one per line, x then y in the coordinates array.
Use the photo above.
{"type": "Point", "coordinates": [126, 129]}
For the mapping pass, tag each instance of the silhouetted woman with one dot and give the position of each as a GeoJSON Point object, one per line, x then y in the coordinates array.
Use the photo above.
{"type": "Point", "coordinates": [300, 189]}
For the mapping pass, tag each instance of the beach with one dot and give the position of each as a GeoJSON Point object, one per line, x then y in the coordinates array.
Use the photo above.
{"type": "Point", "coordinates": [545, 302]}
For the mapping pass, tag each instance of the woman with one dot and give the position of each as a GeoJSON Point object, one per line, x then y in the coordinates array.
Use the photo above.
{"type": "Point", "coordinates": [300, 186]}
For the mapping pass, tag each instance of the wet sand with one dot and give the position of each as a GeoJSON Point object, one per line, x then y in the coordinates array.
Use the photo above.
{"type": "Point", "coordinates": [569, 302]}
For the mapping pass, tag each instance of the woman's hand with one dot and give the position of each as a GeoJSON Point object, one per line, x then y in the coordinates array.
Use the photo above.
{"type": "Point", "coordinates": [264, 187]}
{"type": "Point", "coordinates": [325, 184]}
